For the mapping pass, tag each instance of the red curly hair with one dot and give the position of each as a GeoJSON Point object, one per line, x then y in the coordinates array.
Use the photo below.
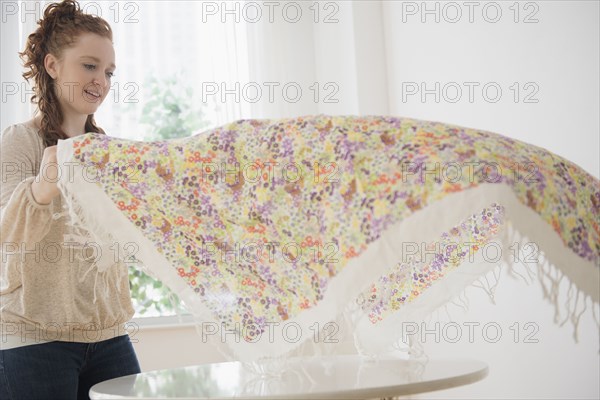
{"type": "Point", "coordinates": [59, 28]}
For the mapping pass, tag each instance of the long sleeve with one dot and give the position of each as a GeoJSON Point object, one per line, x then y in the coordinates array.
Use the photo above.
{"type": "Point", "coordinates": [24, 222]}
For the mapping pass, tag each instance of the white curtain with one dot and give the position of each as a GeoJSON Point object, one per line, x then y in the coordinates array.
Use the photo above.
{"type": "Point", "coordinates": [335, 54]}
{"type": "Point", "coordinates": [313, 57]}
{"type": "Point", "coordinates": [152, 39]}
{"type": "Point", "coordinates": [18, 21]}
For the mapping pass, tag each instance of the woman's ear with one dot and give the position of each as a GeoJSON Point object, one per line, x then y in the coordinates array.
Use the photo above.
{"type": "Point", "coordinates": [51, 65]}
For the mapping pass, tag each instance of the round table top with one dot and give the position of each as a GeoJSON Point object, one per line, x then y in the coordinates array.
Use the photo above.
{"type": "Point", "coordinates": [330, 377]}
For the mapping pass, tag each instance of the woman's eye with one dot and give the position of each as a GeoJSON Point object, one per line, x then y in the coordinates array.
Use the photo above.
{"type": "Point", "coordinates": [110, 74]}
{"type": "Point", "coordinates": [89, 66]}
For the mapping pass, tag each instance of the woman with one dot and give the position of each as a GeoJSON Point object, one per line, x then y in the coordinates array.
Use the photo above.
{"type": "Point", "coordinates": [56, 341]}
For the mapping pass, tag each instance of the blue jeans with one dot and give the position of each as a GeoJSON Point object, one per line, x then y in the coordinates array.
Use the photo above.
{"type": "Point", "coordinates": [63, 370]}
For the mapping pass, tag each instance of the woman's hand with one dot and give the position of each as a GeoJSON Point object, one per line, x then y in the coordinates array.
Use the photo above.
{"type": "Point", "coordinates": [44, 186]}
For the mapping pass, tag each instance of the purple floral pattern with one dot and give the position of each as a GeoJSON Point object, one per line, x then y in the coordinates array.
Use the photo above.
{"type": "Point", "coordinates": [257, 216]}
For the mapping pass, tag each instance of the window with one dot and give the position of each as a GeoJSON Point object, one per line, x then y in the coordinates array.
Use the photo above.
{"type": "Point", "coordinates": [171, 56]}
{"type": "Point", "coordinates": [165, 59]}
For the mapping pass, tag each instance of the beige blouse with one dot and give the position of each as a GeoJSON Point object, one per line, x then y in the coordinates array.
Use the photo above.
{"type": "Point", "coordinates": [45, 294]}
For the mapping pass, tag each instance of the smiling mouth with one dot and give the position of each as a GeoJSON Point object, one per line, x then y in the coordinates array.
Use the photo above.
{"type": "Point", "coordinates": [93, 94]}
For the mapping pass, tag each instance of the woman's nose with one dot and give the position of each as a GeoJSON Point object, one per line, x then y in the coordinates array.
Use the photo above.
{"type": "Point", "coordinates": [101, 80]}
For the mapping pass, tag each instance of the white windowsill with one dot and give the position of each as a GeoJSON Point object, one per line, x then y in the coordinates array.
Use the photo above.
{"type": "Point", "coordinates": [167, 322]}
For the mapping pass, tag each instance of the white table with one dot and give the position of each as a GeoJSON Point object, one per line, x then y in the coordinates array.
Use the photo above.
{"type": "Point", "coordinates": [342, 376]}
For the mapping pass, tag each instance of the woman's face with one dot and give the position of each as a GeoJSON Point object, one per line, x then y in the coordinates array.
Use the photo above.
{"type": "Point", "coordinates": [83, 75]}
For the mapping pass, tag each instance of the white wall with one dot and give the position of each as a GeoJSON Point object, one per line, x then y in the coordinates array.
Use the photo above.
{"type": "Point", "coordinates": [548, 71]}
{"type": "Point", "coordinates": [171, 347]}
{"type": "Point", "coordinates": [559, 54]}
{"type": "Point", "coordinates": [528, 354]}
